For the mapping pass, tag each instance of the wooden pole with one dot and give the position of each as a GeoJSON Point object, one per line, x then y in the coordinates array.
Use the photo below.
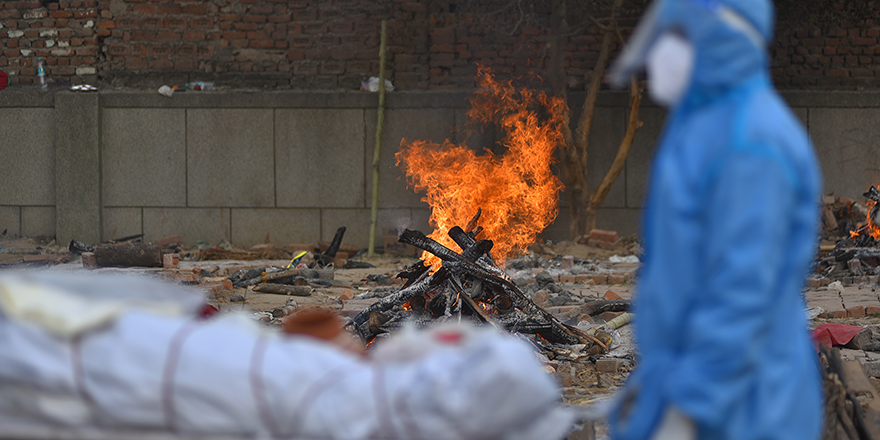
{"type": "Point", "coordinates": [374, 212]}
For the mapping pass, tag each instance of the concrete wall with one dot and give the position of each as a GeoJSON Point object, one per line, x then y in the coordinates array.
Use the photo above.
{"type": "Point", "coordinates": [294, 166]}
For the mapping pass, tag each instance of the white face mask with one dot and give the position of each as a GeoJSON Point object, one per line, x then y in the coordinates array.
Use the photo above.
{"type": "Point", "coordinates": [669, 65]}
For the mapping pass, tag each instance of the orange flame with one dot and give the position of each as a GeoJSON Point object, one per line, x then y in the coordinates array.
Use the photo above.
{"type": "Point", "coordinates": [873, 229]}
{"type": "Point", "coordinates": [517, 190]}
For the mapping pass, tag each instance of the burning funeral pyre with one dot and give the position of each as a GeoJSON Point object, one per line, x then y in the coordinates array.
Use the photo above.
{"type": "Point", "coordinates": [470, 286]}
{"type": "Point", "coordinates": [515, 197]}
{"type": "Point", "coordinates": [856, 255]}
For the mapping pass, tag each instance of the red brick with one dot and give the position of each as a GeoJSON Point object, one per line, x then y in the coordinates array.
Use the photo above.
{"type": "Point", "coordinates": [872, 311]}
{"type": "Point", "coordinates": [255, 19]}
{"type": "Point", "coordinates": [195, 9]}
{"type": "Point", "coordinates": [605, 236]}
{"type": "Point", "coordinates": [245, 26]}
{"type": "Point", "coordinates": [186, 51]}
{"type": "Point", "coordinates": [89, 261]}
{"type": "Point", "coordinates": [135, 63]}
{"type": "Point", "coordinates": [600, 279]}
{"type": "Point", "coordinates": [313, 28]}
{"type": "Point", "coordinates": [332, 68]}
{"type": "Point", "coordinates": [279, 18]}
{"type": "Point", "coordinates": [257, 36]}
{"type": "Point", "coordinates": [855, 312]}
{"type": "Point", "coordinates": [299, 54]}
{"type": "Point", "coordinates": [168, 36]}
{"type": "Point", "coordinates": [171, 261]}
{"type": "Point", "coordinates": [201, 23]}
{"type": "Point", "coordinates": [609, 365]}
{"type": "Point", "coordinates": [126, 22]}
{"type": "Point", "coordinates": [262, 44]}
{"type": "Point", "coordinates": [194, 36]}
{"type": "Point", "coordinates": [168, 9]}
{"type": "Point", "coordinates": [161, 64]}
{"type": "Point", "coordinates": [206, 51]}
{"type": "Point", "coordinates": [142, 35]}
{"type": "Point", "coordinates": [584, 279]}
{"type": "Point", "coordinates": [567, 279]}
{"type": "Point", "coordinates": [152, 22]}
{"type": "Point", "coordinates": [616, 279]}
{"type": "Point", "coordinates": [119, 50]}
{"type": "Point", "coordinates": [85, 14]}
{"type": "Point", "coordinates": [261, 9]}
{"type": "Point", "coordinates": [611, 295]}
{"type": "Point", "coordinates": [60, 14]}
{"type": "Point", "coordinates": [342, 53]}
{"type": "Point", "coordinates": [160, 51]}
{"type": "Point", "coordinates": [106, 25]}
{"type": "Point", "coordinates": [229, 17]}
{"type": "Point", "coordinates": [185, 64]}
{"type": "Point", "coordinates": [175, 23]}
{"type": "Point", "coordinates": [303, 41]}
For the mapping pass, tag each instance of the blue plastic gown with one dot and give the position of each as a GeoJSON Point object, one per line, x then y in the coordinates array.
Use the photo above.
{"type": "Point", "coordinates": [729, 231]}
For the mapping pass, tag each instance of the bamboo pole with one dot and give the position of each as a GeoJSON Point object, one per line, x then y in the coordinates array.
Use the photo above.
{"type": "Point", "coordinates": [374, 212]}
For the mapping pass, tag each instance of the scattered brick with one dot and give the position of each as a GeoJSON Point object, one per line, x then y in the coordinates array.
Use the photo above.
{"type": "Point", "coordinates": [171, 261]}
{"type": "Point", "coordinates": [611, 295]}
{"type": "Point", "coordinates": [89, 261]}
{"type": "Point", "coordinates": [855, 312]}
{"type": "Point", "coordinates": [608, 365]}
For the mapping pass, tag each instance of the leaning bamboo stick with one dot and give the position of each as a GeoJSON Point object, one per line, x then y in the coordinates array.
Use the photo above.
{"type": "Point", "coordinates": [374, 211]}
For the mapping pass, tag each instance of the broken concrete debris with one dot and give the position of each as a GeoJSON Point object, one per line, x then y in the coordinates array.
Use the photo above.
{"type": "Point", "coordinates": [574, 286]}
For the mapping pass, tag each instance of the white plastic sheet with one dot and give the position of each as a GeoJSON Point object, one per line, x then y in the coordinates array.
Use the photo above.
{"type": "Point", "coordinates": [229, 376]}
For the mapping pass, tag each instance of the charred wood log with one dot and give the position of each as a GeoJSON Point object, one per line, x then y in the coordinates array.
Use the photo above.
{"type": "Point", "coordinates": [328, 256]}
{"type": "Point", "coordinates": [454, 262]}
{"type": "Point", "coordinates": [283, 289]}
{"type": "Point", "coordinates": [424, 284]}
{"type": "Point", "coordinates": [598, 307]}
{"type": "Point", "coordinates": [144, 255]}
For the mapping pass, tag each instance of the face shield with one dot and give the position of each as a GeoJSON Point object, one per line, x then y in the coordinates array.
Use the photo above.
{"type": "Point", "coordinates": [690, 17]}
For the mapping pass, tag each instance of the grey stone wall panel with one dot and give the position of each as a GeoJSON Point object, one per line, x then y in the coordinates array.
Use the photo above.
{"type": "Point", "coordinates": [122, 222]}
{"type": "Point", "coordinates": [283, 226]}
{"type": "Point", "coordinates": [430, 124]}
{"type": "Point", "coordinates": [27, 176]}
{"type": "Point", "coordinates": [319, 158]}
{"type": "Point", "coordinates": [37, 220]}
{"type": "Point", "coordinates": [230, 155]}
{"type": "Point", "coordinates": [77, 167]}
{"type": "Point", "coordinates": [10, 220]}
{"type": "Point", "coordinates": [192, 224]}
{"type": "Point", "coordinates": [144, 156]}
{"type": "Point", "coordinates": [846, 143]}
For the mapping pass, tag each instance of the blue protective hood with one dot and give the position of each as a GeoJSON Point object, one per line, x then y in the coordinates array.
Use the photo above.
{"type": "Point", "coordinates": [730, 37]}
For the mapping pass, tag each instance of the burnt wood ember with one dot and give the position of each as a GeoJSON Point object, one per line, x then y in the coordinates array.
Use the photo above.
{"type": "Point", "coordinates": [469, 285]}
{"type": "Point", "coordinates": [327, 257]}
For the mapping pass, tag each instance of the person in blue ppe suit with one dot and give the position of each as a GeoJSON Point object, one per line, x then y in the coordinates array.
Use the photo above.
{"type": "Point", "coordinates": [729, 232]}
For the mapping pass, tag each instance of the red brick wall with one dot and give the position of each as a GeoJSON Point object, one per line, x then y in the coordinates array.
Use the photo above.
{"type": "Point", "coordinates": [333, 44]}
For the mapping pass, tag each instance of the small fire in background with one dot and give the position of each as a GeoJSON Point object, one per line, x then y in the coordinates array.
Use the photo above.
{"type": "Point", "coordinates": [871, 227]}
{"type": "Point", "coordinates": [517, 191]}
